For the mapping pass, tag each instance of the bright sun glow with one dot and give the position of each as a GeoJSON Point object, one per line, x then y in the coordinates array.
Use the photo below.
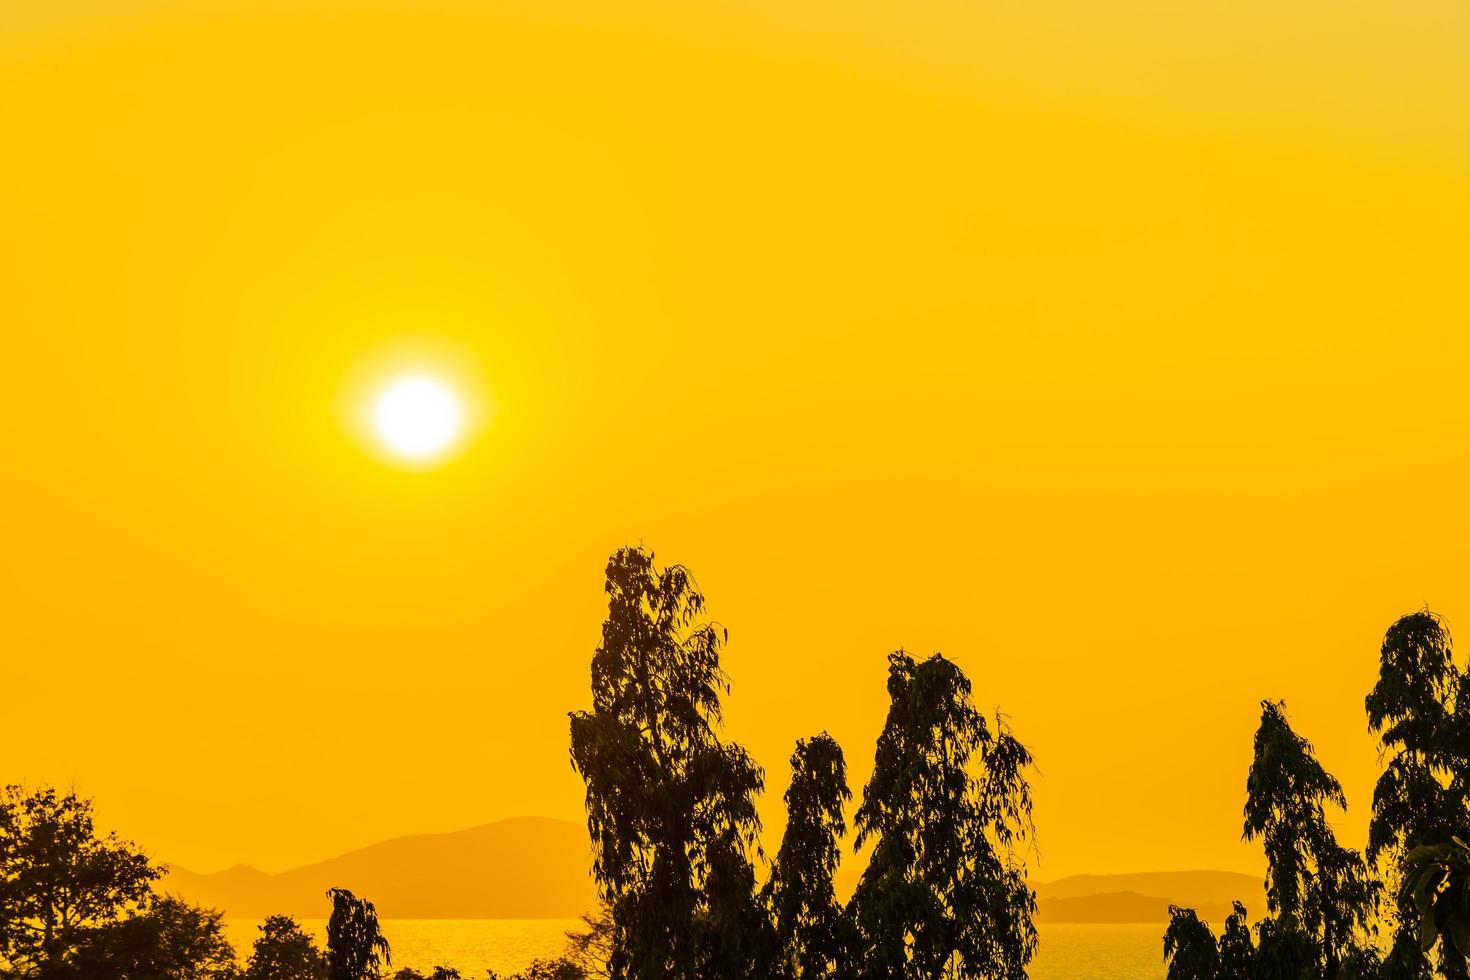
{"type": "Point", "coordinates": [417, 417]}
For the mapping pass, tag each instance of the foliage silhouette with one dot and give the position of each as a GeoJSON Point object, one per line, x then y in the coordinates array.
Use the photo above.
{"type": "Point", "coordinates": [1315, 887]}
{"type": "Point", "coordinates": [1237, 949]}
{"type": "Point", "coordinates": [283, 951]}
{"type": "Point", "coordinates": [356, 948]}
{"type": "Point", "coordinates": [1418, 707]}
{"type": "Point", "coordinates": [812, 931]}
{"type": "Point", "coordinates": [1436, 886]}
{"type": "Point", "coordinates": [1189, 947]}
{"type": "Point", "coordinates": [949, 806]}
{"type": "Point", "coordinates": [171, 940]}
{"type": "Point", "coordinates": [589, 947]}
{"type": "Point", "coordinates": [558, 969]}
{"type": "Point", "coordinates": [670, 807]}
{"type": "Point", "coordinates": [1285, 952]}
{"type": "Point", "coordinates": [59, 881]}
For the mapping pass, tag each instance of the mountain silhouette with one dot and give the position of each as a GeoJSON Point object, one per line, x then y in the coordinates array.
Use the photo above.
{"type": "Point", "coordinates": [538, 868]}
{"type": "Point", "coordinates": [1146, 896]}
{"type": "Point", "coordinates": [522, 868]}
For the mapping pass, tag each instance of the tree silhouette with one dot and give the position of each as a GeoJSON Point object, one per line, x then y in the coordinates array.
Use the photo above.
{"type": "Point", "coordinates": [590, 947]}
{"type": "Point", "coordinates": [170, 940]}
{"type": "Point", "coordinates": [1436, 887]}
{"type": "Point", "coordinates": [1418, 707]}
{"type": "Point", "coordinates": [1314, 886]}
{"type": "Point", "coordinates": [670, 807]}
{"type": "Point", "coordinates": [1237, 949]}
{"type": "Point", "coordinates": [356, 949]}
{"type": "Point", "coordinates": [811, 927]}
{"type": "Point", "coordinates": [944, 892]}
{"type": "Point", "coordinates": [1286, 952]}
{"type": "Point", "coordinates": [1189, 947]}
{"type": "Point", "coordinates": [59, 881]}
{"type": "Point", "coordinates": [283, 951]}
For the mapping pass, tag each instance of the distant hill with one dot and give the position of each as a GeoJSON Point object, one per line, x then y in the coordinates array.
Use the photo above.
{"type": "Point", "coordinates": [524, 868]}
{"type": "Point", "coordinates": [538, 868]}
{"type": "Point", "coordinates": [1146, 897]}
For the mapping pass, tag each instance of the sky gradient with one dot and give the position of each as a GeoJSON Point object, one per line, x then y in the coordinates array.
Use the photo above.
{"type": "Point", "coordinates": [1117, 351]}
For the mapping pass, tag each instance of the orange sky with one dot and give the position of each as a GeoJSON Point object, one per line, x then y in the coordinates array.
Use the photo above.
{"type": "Point", "coordinates": [1116, 350]}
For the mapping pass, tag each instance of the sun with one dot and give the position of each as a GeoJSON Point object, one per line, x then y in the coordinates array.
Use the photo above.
{"type": "Point", "coordinates": [417, 417]}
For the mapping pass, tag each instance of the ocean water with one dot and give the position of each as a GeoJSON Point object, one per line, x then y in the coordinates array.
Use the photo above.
{"type": "Point", "coordinates": [1067, 952]}
{"type": "Point", "coordinates": [1100, 952]}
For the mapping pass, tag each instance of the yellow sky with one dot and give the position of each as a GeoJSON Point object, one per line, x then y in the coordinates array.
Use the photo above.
{"type": "Point", "coordinates": [1118, 350]}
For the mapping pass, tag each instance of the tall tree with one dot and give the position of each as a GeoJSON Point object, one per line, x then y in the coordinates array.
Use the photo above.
{"type": "Point", "coordinates": [283, 951]}
{"type": "Point", "coordinates": [811, 927]}
{"type": "Point", "coordinates": [59, 880]}
{"type": "Point", "coordinates": [670, 806]}
{"type": "Point", "coordinates": [356, 947]}
{"type": "Point", "coordinates": [949, 807]}
{"type": "Point", "coordinates": [1419, 709]}
{"type": "Point", "coordinates": [1314, 885]}
{"type": "Point", "coordinates": [1189, 947]}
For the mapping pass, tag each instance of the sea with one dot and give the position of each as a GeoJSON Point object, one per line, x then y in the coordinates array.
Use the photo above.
{"type": "Point", "coordinates": [1066, 952]}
